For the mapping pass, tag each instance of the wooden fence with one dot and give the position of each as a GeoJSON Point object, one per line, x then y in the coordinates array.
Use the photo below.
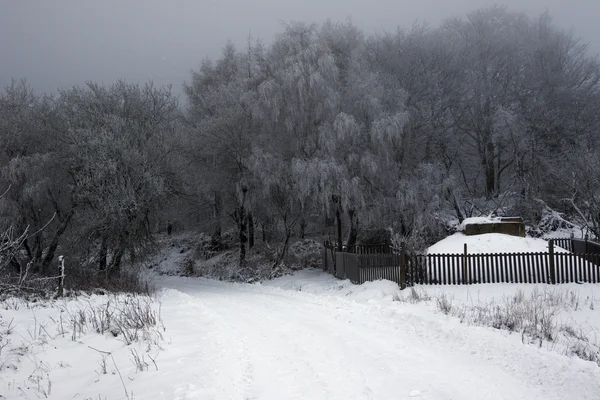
{"type": "Point", "coordinates": [580, 246]}
{"type": "Point", "coordinates": [365, 248]}
{"type": "Point", "coordinates": [564, 243]}
{"type": "Point", "coordinates": [453, 269]}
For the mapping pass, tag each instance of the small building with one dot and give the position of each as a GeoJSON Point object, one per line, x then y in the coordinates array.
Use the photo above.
{"type": "Point", "coordinates": [513, 226]}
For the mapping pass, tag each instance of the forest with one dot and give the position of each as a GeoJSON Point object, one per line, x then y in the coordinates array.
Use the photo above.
{"type": "Point", "coordinates": [325, 133]}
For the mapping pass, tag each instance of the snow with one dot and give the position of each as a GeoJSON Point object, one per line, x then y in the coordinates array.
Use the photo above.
{"type": "Point", "coordinates": [478, 220]}
{"type": "Point", "coordinates": [490, 243]}
{"type": "Point", "coordinates": [304, 336]}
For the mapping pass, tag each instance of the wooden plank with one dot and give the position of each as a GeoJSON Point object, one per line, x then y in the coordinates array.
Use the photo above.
{"type": "Point", "coordinates": [567, 268]}
{"type": "Point", "coordinates": [429, 271]}
{"type": "Point", "coordinates": [564, 268]}
{"type": "Point", "coordinates": [557, 270]}
{"type": "Point", "coordinates": [526, 270]}
{"type": "Point", "coordinates": [505, 263]}
{"type": "Point", "coordinates": [559, 274]}
{"type": "Point", "coordinates": [482, 269]}
{"type": "Point", "coordinates": [536, 259]}
{"type": "Point", "coordinates": [515, 267]}
{"type": "Point", "coordinates": [453, 269]}
{"type": "Point", "coordinates": [498, 266]}
{"type": "Point", "coordinates": [487, 268]}
{"type": "Point", "coordinates": [527, 266]}
{"type": "Point", "coordinates": [546, 267]}
{"type": "Point", "coordinates": [531, 267]}
{"type": "Point", "coordinates": [510, 263]}
{"type": "Point", "coordinates": [538, 268]}
{"type": "Point", "coordinates": [501, 262]}
{"type": "Point", "coordinates": [572, 270]}
{"type": "Point", "coordinates": [448, 270]}
{"type": "Point", "coordinates": [515, 263]}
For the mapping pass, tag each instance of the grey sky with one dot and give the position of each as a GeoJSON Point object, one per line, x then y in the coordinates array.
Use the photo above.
{"type": "Point", "coordinates": [58, 43]}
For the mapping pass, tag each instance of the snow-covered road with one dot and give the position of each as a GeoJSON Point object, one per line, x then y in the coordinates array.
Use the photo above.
{"type": "Point", "coordinates": [235, 341]}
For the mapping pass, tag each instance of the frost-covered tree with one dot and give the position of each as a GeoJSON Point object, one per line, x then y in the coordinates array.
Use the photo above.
{"type": "Point", "coordinates": [92, 168]}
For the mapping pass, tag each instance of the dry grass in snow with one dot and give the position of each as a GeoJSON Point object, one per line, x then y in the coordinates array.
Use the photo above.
{"type": "Point", "coordinates": [57, 349]}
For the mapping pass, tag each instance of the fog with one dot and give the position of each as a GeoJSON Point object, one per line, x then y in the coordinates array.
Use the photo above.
{"type": "Point", "coordinates": [62, 43]}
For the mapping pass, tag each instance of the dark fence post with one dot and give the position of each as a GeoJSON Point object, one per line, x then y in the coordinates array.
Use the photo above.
{"type": "Point", "coordinates": [402, 268]}
{"type": "Point", "coordinates": [465, 277]}
{"type": "Point", "coordinates": [61, 277]}
{"type": "Point", "coordinates": [572, 249]}
{"type": "Point", "coordinates": [551, 261]}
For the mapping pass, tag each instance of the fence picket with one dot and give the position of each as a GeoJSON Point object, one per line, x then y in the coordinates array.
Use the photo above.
{"type": "Point", "coordinates": [443, 269]}
{"type": "Point", "coordinates": [526, 272]}
{"type": "Point", "coordinates": [428, 277]}
{"type": "Point", "coordinates": [531, 269]}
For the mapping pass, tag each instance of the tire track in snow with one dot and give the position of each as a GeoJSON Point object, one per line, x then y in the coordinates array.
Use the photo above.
{"type": "Point", "coordinates": [216, 366]}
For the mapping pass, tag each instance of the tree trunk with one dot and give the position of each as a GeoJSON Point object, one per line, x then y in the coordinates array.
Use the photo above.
{"type": "Point", "coordinates": [102, 256]}
{"type": "Point", "coordinates": [28, 249]}
{"type": "Point", "coordinates": [250, 231]}
{"type": "Point", "coordinates": [39, 247]}
{"type": "Point", "coordinates": [353, 230]}
{"type": "Point", "coordinates": [242, 227]}
{"type": "Point", "coordinates": [264, 233]}
{"type": "Point", "coordinates": [54, 243]}
{"type": "Point", "coordinates": [490, 169]}
{"type": "Point", "coordinates": [288, 235]}
{"type": "Point", "coordinates": [338, 219]}
{"type": "Point", "coordinates": [302, 229]}
{"type": "Point", "coordinates": [217, 215]}
{"type": "Point", "coordinates": [115, 264]}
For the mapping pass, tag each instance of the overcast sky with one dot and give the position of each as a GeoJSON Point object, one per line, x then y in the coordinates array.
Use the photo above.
{"type": "Point", "coordinates": [58, 43]}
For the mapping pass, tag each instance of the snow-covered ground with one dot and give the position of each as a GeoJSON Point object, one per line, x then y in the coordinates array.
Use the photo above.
{"type": "Point", "coordinates": [306, 336]}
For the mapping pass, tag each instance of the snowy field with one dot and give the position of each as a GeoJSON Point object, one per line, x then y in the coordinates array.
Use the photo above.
{"type": "Point", "coordinates": [306, 336]}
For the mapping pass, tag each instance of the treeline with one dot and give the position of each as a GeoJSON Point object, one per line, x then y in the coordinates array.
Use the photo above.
{"type": "Point", "coordinates": [324, 131]}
